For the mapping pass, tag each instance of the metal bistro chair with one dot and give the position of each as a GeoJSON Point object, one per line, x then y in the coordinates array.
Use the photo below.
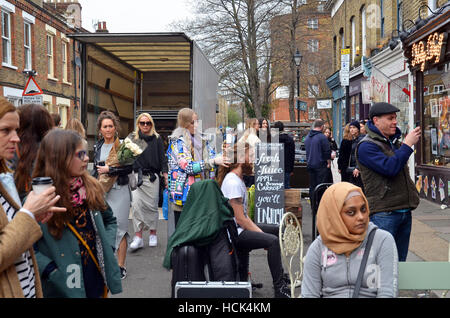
{"type": "Point", "coordinates": [291, 237]}
{"type": "Point", "coordinates": [315, 200]}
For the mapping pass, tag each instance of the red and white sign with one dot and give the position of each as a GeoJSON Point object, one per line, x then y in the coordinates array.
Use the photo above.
{"type": "Point", "coordinates": [32, 88]}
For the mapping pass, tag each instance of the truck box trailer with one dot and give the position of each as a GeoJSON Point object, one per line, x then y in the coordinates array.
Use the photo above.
{"type": "Point", "coordinates": [130, 73]}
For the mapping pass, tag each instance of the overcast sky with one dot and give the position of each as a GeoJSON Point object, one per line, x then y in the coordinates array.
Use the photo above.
{"type": "Point", "coordinates": [134, 15]}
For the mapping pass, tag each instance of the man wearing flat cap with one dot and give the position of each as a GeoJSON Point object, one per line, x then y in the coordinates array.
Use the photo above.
{"type": "Point", "coordinates": [383, 159]}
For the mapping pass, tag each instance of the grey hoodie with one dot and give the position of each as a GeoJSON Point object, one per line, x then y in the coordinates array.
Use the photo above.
{"type": "Point", "coordinates": [328, 275]}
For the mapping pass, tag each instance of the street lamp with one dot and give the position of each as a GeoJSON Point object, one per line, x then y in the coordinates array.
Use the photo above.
{"type": "Point", "coordinates": [298, 59]}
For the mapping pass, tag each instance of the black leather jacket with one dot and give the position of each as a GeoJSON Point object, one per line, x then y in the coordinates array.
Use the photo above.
{"type": "Point", "coordinates": [122, 171]}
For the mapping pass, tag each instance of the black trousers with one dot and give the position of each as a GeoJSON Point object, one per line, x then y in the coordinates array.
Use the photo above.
{"type": "Point", "coordinates": [316, 177]}
{"type": "Point", "coordinates": [250, 240]}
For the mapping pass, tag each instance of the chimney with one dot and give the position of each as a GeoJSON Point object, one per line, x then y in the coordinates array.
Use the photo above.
{"type": "Point", "coordinates": [101, 27]}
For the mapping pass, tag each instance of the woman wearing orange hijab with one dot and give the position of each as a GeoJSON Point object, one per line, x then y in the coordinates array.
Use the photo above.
{"type": "Point", "coordinates": [333, 260]}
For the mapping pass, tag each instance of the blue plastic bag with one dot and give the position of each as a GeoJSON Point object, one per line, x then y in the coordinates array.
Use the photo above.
{"type": "Point", "coordinates": [165, 205]}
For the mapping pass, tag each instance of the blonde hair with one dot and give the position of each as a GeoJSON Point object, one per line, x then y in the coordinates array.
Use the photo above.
{"type": "Point", "coordinates": [249, 129]}
{"type": "Point", "coordinates": [152, 130]}
{"type": "Point", "coordinates": [76, 125]}
{"type": "Point", "coordinates": [184, 118]}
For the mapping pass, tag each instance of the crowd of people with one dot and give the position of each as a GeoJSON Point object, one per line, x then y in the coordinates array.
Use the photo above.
{"type": "Point", "coordinates": [79, 224]}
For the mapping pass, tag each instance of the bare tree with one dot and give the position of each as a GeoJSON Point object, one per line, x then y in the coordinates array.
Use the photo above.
{"type": "Point", "coordinates": [235, 35]}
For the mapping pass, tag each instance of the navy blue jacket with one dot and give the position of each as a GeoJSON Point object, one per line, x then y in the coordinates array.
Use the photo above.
{"type": "Point", "coordinates": [371, 156]}
{"type": "Point", "coordinates": [317, 149]}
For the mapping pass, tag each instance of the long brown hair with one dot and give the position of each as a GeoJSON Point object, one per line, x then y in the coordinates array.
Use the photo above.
{"type": "Point", "coordinates": [35, 122]}
{"type": "Point", "coordinates": [5, 107]}
{"type": "Point", "coordinates": [55, 154]}
{"type": "Point", "coordinates": [347, 134]}
{"type": "Point", "coordinates": [232, 154]}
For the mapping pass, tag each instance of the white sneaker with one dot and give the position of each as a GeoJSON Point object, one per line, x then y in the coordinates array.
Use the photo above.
{"type": "Point", "coordinates": [136, 244]}
{"type": "Point", "coordinates": [152, 240]}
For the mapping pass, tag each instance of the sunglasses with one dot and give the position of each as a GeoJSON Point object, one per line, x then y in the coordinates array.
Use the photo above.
{"type": "Point", "coordinates": [145, 123]}
{"type": "Point", "coordinates": [81, 154]}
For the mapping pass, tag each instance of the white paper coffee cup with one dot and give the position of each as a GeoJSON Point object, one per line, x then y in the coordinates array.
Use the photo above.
{"type": "Point", "coordinates": [40, 184]}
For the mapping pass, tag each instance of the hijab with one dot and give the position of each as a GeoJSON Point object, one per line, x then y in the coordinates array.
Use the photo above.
{"type": "Point", "coordinates": [332, 229]}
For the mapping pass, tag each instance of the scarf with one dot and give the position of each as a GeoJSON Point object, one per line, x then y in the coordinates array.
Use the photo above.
{"type": "Point", "coordinates": [77, 192]}
{"type": "Point", "coordinates": [106, 180]}
{"type": "Point", "coordinates": [332, 229]}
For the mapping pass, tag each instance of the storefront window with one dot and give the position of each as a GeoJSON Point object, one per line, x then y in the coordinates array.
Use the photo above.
{"type": "Point", "coordinates": [354, 101]}
{"type": "Point", "coordinates": [436, 116]}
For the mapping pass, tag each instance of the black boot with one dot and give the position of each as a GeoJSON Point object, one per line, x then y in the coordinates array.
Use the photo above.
{"type": "Point", "coordinates": [282, 291]}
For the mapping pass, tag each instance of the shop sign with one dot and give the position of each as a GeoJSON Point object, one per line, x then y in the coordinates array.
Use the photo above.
{"type": "Point", "coordinates": [324, 104]}
{"type": "Point", "coordinates": [430, 51]}
{"type": "Point", "coordinates": [379, 86]}
{"type": "Point", "coordinates": [366, 92]}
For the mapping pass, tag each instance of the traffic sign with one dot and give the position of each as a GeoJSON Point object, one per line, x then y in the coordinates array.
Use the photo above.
{"type": "Point", "coordinates": [35, 99]}
{"type": "Point", "coordinates": [32, 88]}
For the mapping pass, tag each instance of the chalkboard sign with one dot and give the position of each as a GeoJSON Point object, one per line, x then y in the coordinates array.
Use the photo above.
{"type": "Point", "coordinates": [269, 183]}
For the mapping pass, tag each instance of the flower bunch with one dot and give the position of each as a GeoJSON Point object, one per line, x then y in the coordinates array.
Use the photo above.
{"type": "Point", "coordinates": [129, 150]}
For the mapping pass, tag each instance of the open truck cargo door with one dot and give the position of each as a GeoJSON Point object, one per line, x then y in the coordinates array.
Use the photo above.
{"type": "Point", "coordinates": [131, 73]}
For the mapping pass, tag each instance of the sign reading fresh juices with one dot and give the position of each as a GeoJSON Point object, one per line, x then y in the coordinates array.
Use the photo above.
{"type": "Point", "coordinates": [269, 183]}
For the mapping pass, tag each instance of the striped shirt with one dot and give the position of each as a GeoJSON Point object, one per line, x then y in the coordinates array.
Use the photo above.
{"type": "Point", "coordinates": [24, 264]}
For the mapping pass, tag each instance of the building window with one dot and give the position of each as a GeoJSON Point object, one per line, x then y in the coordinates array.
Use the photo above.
{"type": "Point", "coordinates": [381, 19]}
{"type": "Point", "coordinates": [436, 119]}
{"type": "Point", "coordinates": [282, 92]}
{"type": "Point", "coordinates": [313, 45]}
{"type": "Point", "coordinates": [335, 54]}
{"type": "Point", "coordinates": [353, 30]}
{"type": "Point", "coordinates": [27, 45]}
{"type": "Point", "coordinates": [312, 69]}
{"type": "Point", "coordinates": [313, 23]}
{"type": "Point", "coordinates": [433, 6]}
{"type": "Point", "coordinates": [6, 38]}
{"type": "Point", "coordinates": [313, 91]}
{"type": "Point", "coordinates": [363, 32]}
{"type": "Point", "coordinates": [64, 62]}
{"type": "Point", "coordinates": [50, 59]}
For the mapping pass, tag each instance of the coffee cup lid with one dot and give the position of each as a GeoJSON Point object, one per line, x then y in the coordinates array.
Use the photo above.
{"type": "Point", "coordinates": [42, 180]}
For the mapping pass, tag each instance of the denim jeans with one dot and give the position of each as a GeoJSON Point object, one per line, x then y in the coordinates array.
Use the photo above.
{"type": "Point", "coordinates": [399, 225]}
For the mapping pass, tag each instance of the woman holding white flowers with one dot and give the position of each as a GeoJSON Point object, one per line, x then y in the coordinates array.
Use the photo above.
{"type": "Point", "coordinates": [152, 162]}
{"type": "Point", "coordinates": [114, 179]}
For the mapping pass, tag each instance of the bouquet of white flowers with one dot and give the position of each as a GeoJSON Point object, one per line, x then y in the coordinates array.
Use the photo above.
{"type": "Point", "coordinates": [129, 150]}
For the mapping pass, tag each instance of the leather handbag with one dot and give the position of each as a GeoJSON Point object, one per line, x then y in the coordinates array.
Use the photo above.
{"type": "Point", "coordinates": [362, 267]}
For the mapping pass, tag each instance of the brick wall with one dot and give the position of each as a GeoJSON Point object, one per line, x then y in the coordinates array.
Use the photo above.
{"type": "Point", "coordinates": [320, 59]}
{"type": "Point", "coordinates": [15, 78]}
{"type": "Point", "coordinates": [375, 40]}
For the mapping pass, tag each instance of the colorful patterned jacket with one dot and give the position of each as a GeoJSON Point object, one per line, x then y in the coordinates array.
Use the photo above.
{"type": "Point", "coordinates": [184, 171]}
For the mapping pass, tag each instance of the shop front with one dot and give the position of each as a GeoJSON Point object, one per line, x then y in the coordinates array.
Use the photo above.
{"type": "Point", "coordinates": [428, 54]}
{"type": "Point", "coordinates": [359, 109]}
{"type": "Point", "coordinates": [334, 84]}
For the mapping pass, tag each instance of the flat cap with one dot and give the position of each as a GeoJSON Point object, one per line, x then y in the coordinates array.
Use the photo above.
{"type": "Point", "coordinates": [382, 108]}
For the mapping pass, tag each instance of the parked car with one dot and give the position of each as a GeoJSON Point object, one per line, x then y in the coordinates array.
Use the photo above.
{"type": "Point", "coordinates": [300, 152]}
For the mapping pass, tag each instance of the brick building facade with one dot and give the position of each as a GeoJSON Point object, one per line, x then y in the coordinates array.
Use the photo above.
{"type": "Point", "coordinates": [34, 40]}
{"type": "Point", "coordinates": [313, 40]}
{"type": "Point", "coordinates": [366, 28]}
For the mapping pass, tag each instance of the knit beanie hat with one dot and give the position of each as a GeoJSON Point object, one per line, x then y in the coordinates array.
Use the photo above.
{"type": "Point", "coordinates": [356, 124]}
